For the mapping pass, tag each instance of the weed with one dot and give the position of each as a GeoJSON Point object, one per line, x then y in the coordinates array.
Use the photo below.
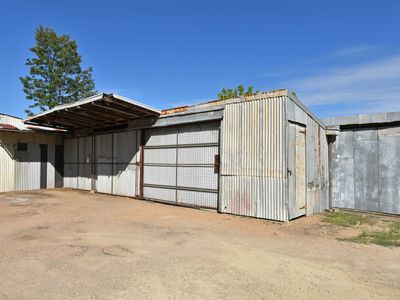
{"type": "Point", "coordinates": [346, 219]}
{"type": "Point", "coordinates": [388, 238]}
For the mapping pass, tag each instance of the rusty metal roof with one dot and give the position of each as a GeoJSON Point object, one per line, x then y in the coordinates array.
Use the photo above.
{"type": "Point", "coordinates": [8, 127]}
{"type": "Point", "coordinates": [99, 111]}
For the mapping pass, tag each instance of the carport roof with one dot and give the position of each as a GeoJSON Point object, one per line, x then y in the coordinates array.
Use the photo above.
{"type": "Point", "coordinates": [99, 111]}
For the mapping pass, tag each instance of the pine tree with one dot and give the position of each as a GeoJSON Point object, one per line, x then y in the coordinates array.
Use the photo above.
{"type": "Point", "coordinates": [56, 76]}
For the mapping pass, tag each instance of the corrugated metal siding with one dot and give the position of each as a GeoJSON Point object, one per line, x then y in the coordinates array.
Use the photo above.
{"type": "Point", "coordinates": [71, 163]}
{"type": "Point", "coordinates": [20, 170]}
{"type": "Point", "coordinates": [85, 160]}
{"type": "Point", "coordinates": [104, 158]}
{"type": "Point", "coordinates": [126, 152]}
{"type": "Point", "coordinates": [7, 163]}
{"type": "Point", "coordinates": [51, 171]}
{"type": "Point", "coordinates": [253, 161]}
{"type": "Point", "coordinates": [111, 161]}
{"type": "Point", "coordinates": [317, 168]}
{"type": "Point", "coordinates": [27, 168]}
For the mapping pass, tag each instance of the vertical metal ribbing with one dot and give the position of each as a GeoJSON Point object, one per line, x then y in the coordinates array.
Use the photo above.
{"type": "Point", "coordinates": [253, 174]}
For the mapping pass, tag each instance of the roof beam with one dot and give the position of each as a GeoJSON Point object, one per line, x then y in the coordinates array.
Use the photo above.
{"type": "Point", "coordinates": [127, 105]}
{"type": "Point", "coordinates": [117, 110]}
{"type": "Point", "coordinates": [90, 116]}
{"type": "Point", "coordinates": [63, 114]}
{"type": "Point", "coordinates": [101, 113]}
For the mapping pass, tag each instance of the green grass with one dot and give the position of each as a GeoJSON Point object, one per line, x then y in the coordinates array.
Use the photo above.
{"type": "Point", "coordinates": [388, 238]}
{"type": "Point", "coordinates": [346, 219]}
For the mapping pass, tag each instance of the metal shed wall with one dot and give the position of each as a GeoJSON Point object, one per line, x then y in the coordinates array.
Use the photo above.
{"type": "Point", "coordinates": [106, 163]}
{"type": "Point", "coordinates": [253, 160]}
{"type": "Point", "coordinates": [20, 170]}
{"type": "Point", "coordinates": [7, 163]}
{"type": "Point", "coordinates": [317, 167]}
{"type": "Point", "coordinates": [365, 169]}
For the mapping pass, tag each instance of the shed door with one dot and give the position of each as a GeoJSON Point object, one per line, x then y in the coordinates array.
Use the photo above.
{"type": "Point", "coordinates": [180, 164]}
{"type": "Point", "coordinates": [297, 170]}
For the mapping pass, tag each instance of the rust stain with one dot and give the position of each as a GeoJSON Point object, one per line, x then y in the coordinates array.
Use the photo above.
{"type": "Point", "coordinates": [8, 126]}
{"type": "Point", "coordinates": [174, 110]}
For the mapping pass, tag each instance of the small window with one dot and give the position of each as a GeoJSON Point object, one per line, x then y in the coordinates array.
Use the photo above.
{"type": "Point", "coordinates": [22, 147]}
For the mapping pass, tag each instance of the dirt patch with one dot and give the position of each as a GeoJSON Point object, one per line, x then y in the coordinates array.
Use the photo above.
{"type": "Point", "coordinates": [81, 245]}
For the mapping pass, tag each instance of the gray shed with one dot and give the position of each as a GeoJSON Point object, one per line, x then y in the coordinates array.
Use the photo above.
{"type": "Point", "coordinates": [263, 156]}
{"type": "Point", "coordinates": [365, 164]}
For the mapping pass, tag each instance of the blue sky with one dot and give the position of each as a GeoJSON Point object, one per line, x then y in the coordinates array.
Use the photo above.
{"type": "Point", "coordinates": [340, 57]}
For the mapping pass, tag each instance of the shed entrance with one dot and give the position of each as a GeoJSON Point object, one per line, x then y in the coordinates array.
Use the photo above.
{"type": "Point", "coordinates": [106, 163]}
{"type": "Point", "coordinates": [297, 170]}
{"type": "Point", "coordinates": [181, 164]}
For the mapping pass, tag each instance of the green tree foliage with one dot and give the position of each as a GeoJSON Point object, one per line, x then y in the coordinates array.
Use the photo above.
{"type": "Point", "coordinates": [237, 92]}
{"type": "Point", "coordinates": [55, 73]}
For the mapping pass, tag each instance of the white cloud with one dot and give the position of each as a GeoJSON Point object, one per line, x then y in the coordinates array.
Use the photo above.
{"type": "Point", "coordinates": [355, 50]}
{"type": "Point", "coordinates": [374, 86]}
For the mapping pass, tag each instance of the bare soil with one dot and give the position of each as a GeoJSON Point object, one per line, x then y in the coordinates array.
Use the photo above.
{"type": "Point", "coordinates": [59, 244]}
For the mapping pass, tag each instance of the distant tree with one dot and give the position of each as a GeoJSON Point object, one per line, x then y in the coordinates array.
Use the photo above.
{"type": "Point", "coordinates": [55, 73]}
{"type": "Point", "coordinates": [237, 92]}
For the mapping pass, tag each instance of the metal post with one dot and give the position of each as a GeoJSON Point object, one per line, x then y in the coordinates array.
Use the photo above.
{"type": "Point", "coordinates": [141, 182]}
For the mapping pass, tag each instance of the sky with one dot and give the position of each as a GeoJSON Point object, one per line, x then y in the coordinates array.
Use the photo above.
{"type": "Point", "coordinates": [340, 57]}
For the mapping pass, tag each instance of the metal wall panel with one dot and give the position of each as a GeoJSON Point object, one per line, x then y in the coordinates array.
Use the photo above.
{"type": "Point", "coordinates": [194, 198]}
{"type": "Point", "coordinates": [27, 168]}
{"type": "Point", "coordinates": [253, 162]}
{"type": "Point", "coordinates": [254, 196]}
{"type": "Point", "coordinates": [254, 140]}
{"type": "Point", "coordinates": [366, 166]}
{"type": "Point", "coordinates": [161, 136]}
{"type": "Point", "coordinates": [179, 163]}
{"type": "Point", "coordinates": [366, 174]}
{"type": "Point", "coordinates": [317, 168]}
{"type": "Point", "coordinates": [71, 163]}
{"type": "Point", "coordinates": [51, 171]}
{"type": "Point", "coordinates": [343, 170]}
{"type": "Point", "coordinates": [159, 194]}
{"type": "Point", "coordinates": [7, 163]}
{"type": "Point", "coordinates": [112, 162]}
{"type": "Point", "coordinates": [104, 160]}
{"type": "Point", "coordinates": [20, 170]}
{"type": "Point", "coordinates": [85, 161]}
{"type": "Point", "coordinates": [71, 176]}
{"type": "Point", "coordinates": [125, 154]}
{"type": "Point", "coordinates": [389, 170]}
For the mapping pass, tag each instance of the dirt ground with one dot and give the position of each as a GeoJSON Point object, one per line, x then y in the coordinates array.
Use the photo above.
{"type": "Point", "coordinates": [64, 244]}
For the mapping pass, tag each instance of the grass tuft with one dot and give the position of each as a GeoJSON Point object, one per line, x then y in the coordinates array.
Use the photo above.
{"type": "Point", "coordinates": [346, 219]}
{"type": "Point", "coordinates": [388, 238]}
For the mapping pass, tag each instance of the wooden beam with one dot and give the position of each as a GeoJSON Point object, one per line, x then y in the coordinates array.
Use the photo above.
{"type": "Point", "coordinates": [130, 106]}
{"type": "Point", "coordinates": [63, 114]}
{"type": "Point", "coordinates": [101, 114]}
{"type": "Point", "coordinates": [89, 115]}
{"type": "Point", "coordinates": [116, 110]}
